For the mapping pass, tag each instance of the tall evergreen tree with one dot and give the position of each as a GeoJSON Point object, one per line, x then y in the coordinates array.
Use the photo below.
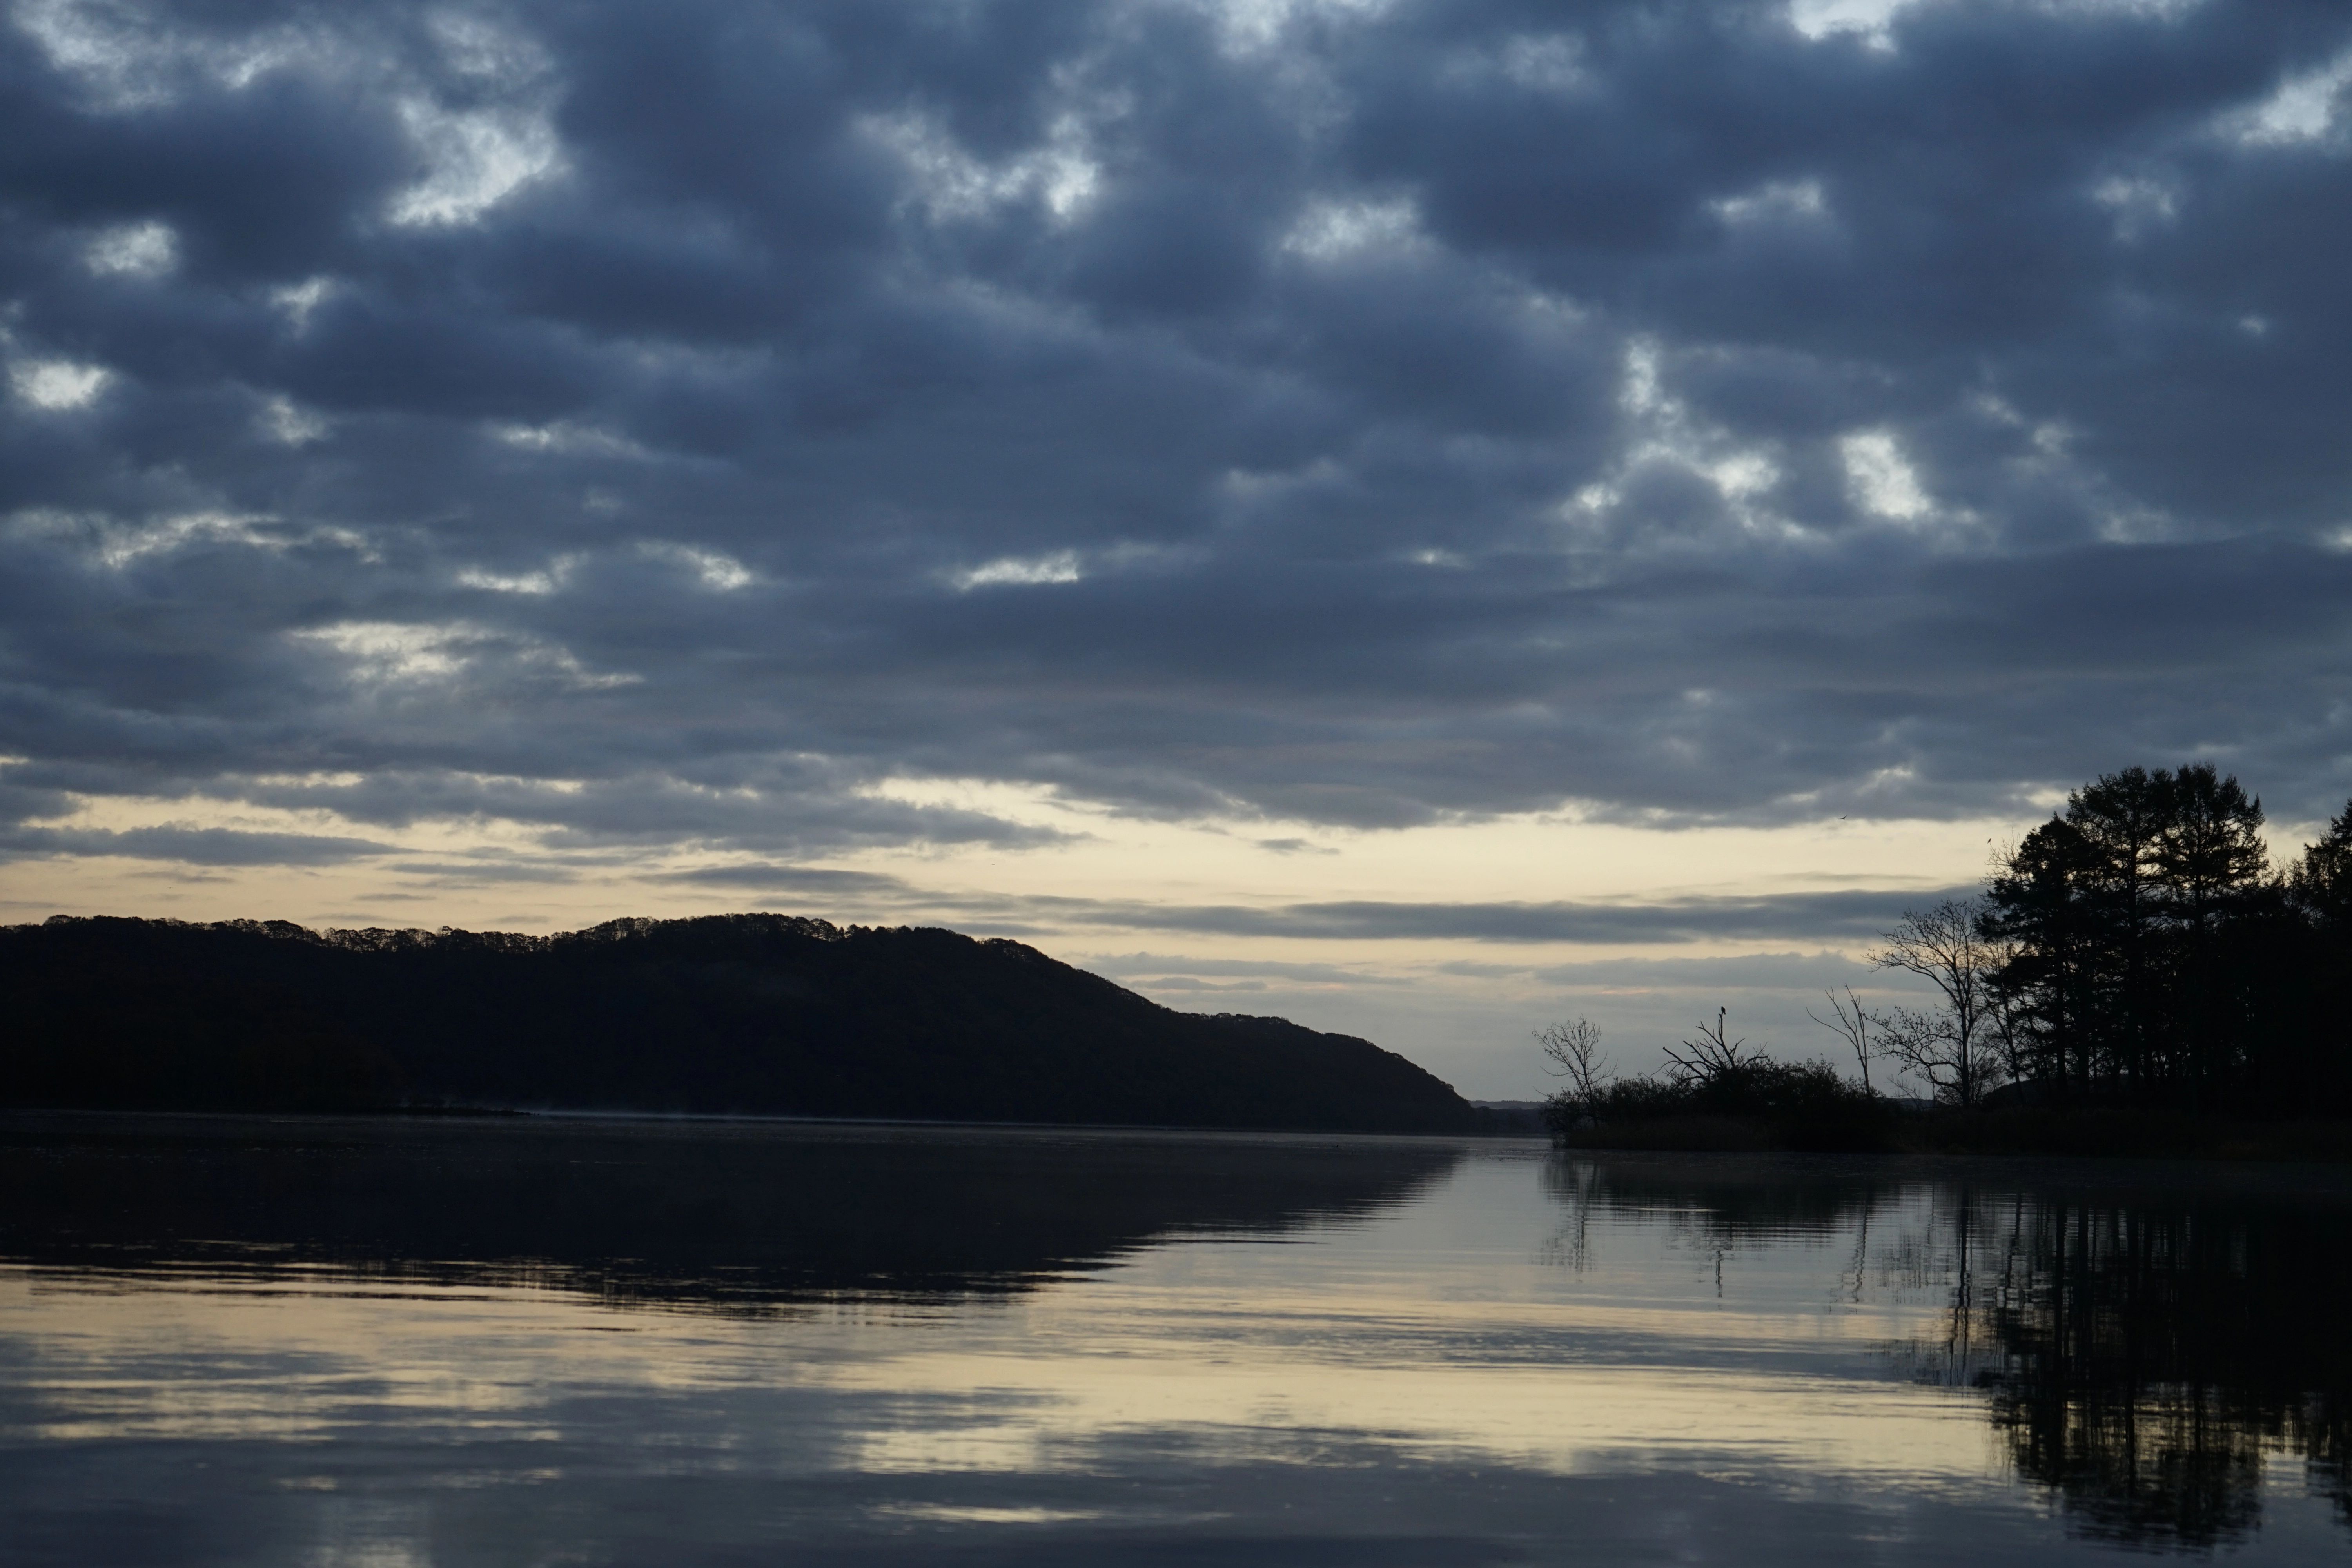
{"type": "Point", "coordinates": [2317, 1048]}
{"type": "Point", "coordinates": [2147, 945]}
{"type": "Point", "coordinates": [2040, 909]}
{"type": "Point", "coordinates": [2211, 877]}
{"type": "Point", "coordinates": [2121, 819]}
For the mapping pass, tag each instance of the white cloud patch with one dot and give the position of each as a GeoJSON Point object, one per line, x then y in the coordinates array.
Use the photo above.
{"type": "Point", "coordinates": [711, 569]}
{"type": "Point", "coordinates": [1328, 230]}
{"type": "Point", "coordinates": [1744, 474]}
{"type": "Point", "coordinates": [288, 424]}
{"type": "Point", "coordinates": [1060, 566]}
{"type": "Point", "coordinates": [950, 183]}
{"type": "Point", "coordinates": [58, 385]}
{"type": "Point", "coordinates": [2302, 108]}
{"type": "Point", "coordinates": [122, 546]}
{"type": "Point", "coordinates": [568, 439]}
{"type": "Point", "coordinates": [126, 58]}
{"type": "Point", "coordinates": [384, 651]}
{"type": "Point", "coordinates": [1873, 20]}
{"type": "Point", "coordinates": [1881, 478]}
{"type": "Point", "coordinates": [474, 160]}
{"type": "Point", "coordinates": [1253, 27]}
{"type": "Point", "coordinates": [714, 569]}
{"type": "Point", "coordinates": [1666, 436]}
{"type": "Point", "coordinates": [298, 299]}
{"type": "Point", "coordinates": [477, 156]}
{"type": "Point", "coordinates": [392, 654]}
{"type": "Point", "coordinates": [133, 250]}
{"type": "Point", "coordinates": [2139, 205]}
{"type": "Point", "coordinates": [110, 543]}
{"type": "Point", "coordinates": [533, 582]}
{"type": "Point", "coordinates": [1780, 200]}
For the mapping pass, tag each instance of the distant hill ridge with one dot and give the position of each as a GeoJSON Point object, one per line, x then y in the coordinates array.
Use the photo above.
{"type": "Point", "coordinates": [745, 1014]}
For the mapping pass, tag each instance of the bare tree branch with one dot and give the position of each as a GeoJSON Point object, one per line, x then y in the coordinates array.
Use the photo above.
{"type": "Point", "coordinates": [1848, 1019]}
{"type": "Point", "coordinates": [1574, 1048]}
{"type": "Point", "coordinates": [1710, 1056]}
{"type": "Point", "coordinates": [1954, 1047]}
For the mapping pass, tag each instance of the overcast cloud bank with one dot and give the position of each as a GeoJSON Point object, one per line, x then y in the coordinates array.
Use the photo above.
{"type": "Point", "coordinates": [662, 428]}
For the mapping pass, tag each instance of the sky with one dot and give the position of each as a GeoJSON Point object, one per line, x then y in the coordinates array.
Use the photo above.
{"type": "Point", "coordinates": [1423, 518]}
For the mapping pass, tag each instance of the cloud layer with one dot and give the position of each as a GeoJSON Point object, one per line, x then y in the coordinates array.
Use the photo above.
{"type": "Point", "coordinates": [660, 428]}
{"type": "Point", "coordinates": [1847, 916]}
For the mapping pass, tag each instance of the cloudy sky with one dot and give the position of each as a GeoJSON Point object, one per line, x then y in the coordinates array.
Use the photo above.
{"type": "Point", "coordinates": [1423, 515]}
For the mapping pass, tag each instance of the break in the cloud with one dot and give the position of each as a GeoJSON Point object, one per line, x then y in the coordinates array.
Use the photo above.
{"type": "Point", "coordinates": [657, 431]}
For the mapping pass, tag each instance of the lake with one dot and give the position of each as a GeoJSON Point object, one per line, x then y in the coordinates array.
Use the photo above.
{"type": "Point", "coordinates": [327, 1342]}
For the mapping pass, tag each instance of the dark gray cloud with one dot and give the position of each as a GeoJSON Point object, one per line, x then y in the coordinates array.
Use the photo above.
{"type": "Point", "coordinates": [1845, 915]}
{"type": "Point", "coordinates": [657, 425]}
{"type": "Point", "coordinates": [800, 881]}
{"type": "Point", "coordinates": [1160, 967]}
{"type": "Point", "coordinates": [193, 846]}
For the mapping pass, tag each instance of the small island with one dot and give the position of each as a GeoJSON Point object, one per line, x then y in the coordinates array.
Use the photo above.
{"type": "Point", "coordinates": [2136, 979]}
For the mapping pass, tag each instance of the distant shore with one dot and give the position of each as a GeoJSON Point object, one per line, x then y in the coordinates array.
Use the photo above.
{"type": "Point", "coordinates": [2096, 1134]}
{"type": "Point", "coordinates": [754, 1013]}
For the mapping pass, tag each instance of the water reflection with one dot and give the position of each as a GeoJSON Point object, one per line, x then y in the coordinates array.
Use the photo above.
{"type": "Point", "coordinates": [738, 1217]}
{"type": "Point", "coordinates": [326, 1343]}
{"type": "Point", "coordinates": [2147, 1346]}
{"type": "Point", "coordinates": [2152, 1355]}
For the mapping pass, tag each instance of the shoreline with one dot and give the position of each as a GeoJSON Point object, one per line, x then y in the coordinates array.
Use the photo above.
{"type": "Point", "coordinates": [2019, 1132]}
{"type": "Point", "coordinates": [2011, 1133]}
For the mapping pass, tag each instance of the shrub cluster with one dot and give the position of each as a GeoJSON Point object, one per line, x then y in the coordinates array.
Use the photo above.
{"type": "Point", "coordinates": [1798, 1105]}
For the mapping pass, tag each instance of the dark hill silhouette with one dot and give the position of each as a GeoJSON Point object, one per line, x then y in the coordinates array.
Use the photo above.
{"type": "Point", "coordinates": [728, 1014]}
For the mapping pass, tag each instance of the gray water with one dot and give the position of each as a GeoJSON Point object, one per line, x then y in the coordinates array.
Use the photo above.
{"type": "Point", "coordinates": [327, 1342]}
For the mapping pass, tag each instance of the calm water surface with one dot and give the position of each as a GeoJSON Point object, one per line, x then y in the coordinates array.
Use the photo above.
{"type": "Point", "coordinates": [325, 1341]}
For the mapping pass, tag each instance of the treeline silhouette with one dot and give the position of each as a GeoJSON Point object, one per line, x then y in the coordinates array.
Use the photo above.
{"type": "Point", "coordinates": [2148, 1352]}
{"type": "Point", "coordinates": [2136, 978]}
{"type": "Point", "coordinates": [2144, 952]}
{"type": "Point", "coordinates": [729, 1014]}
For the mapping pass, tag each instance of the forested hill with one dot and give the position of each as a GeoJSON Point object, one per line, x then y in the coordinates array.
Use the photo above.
{"type": "Point", "coordinates": [745, 1014]}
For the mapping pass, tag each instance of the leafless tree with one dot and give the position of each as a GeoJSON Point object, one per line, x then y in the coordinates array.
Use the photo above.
{"type": "Point", "coordinates": [1848, 1019]}
{"type": "Point", "coordinates": [1710, 1056]}
{"type": "Point", "coordinates": [1955, 1047]}
{"type": "Point", "coordinates": [1574, 1048]}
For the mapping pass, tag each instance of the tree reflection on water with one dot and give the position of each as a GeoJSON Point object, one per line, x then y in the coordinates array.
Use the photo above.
{"type": "Point", "coordinates": [2147, 1350]}
{"type": "Point", "coordinates": [743, 1218]}
{"type": "Point", "coordinates": [2151, 1355]}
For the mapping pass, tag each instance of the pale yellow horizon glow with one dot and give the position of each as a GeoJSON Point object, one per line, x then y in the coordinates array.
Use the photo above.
{"type": "Point", "coordinates": [487, 873]}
